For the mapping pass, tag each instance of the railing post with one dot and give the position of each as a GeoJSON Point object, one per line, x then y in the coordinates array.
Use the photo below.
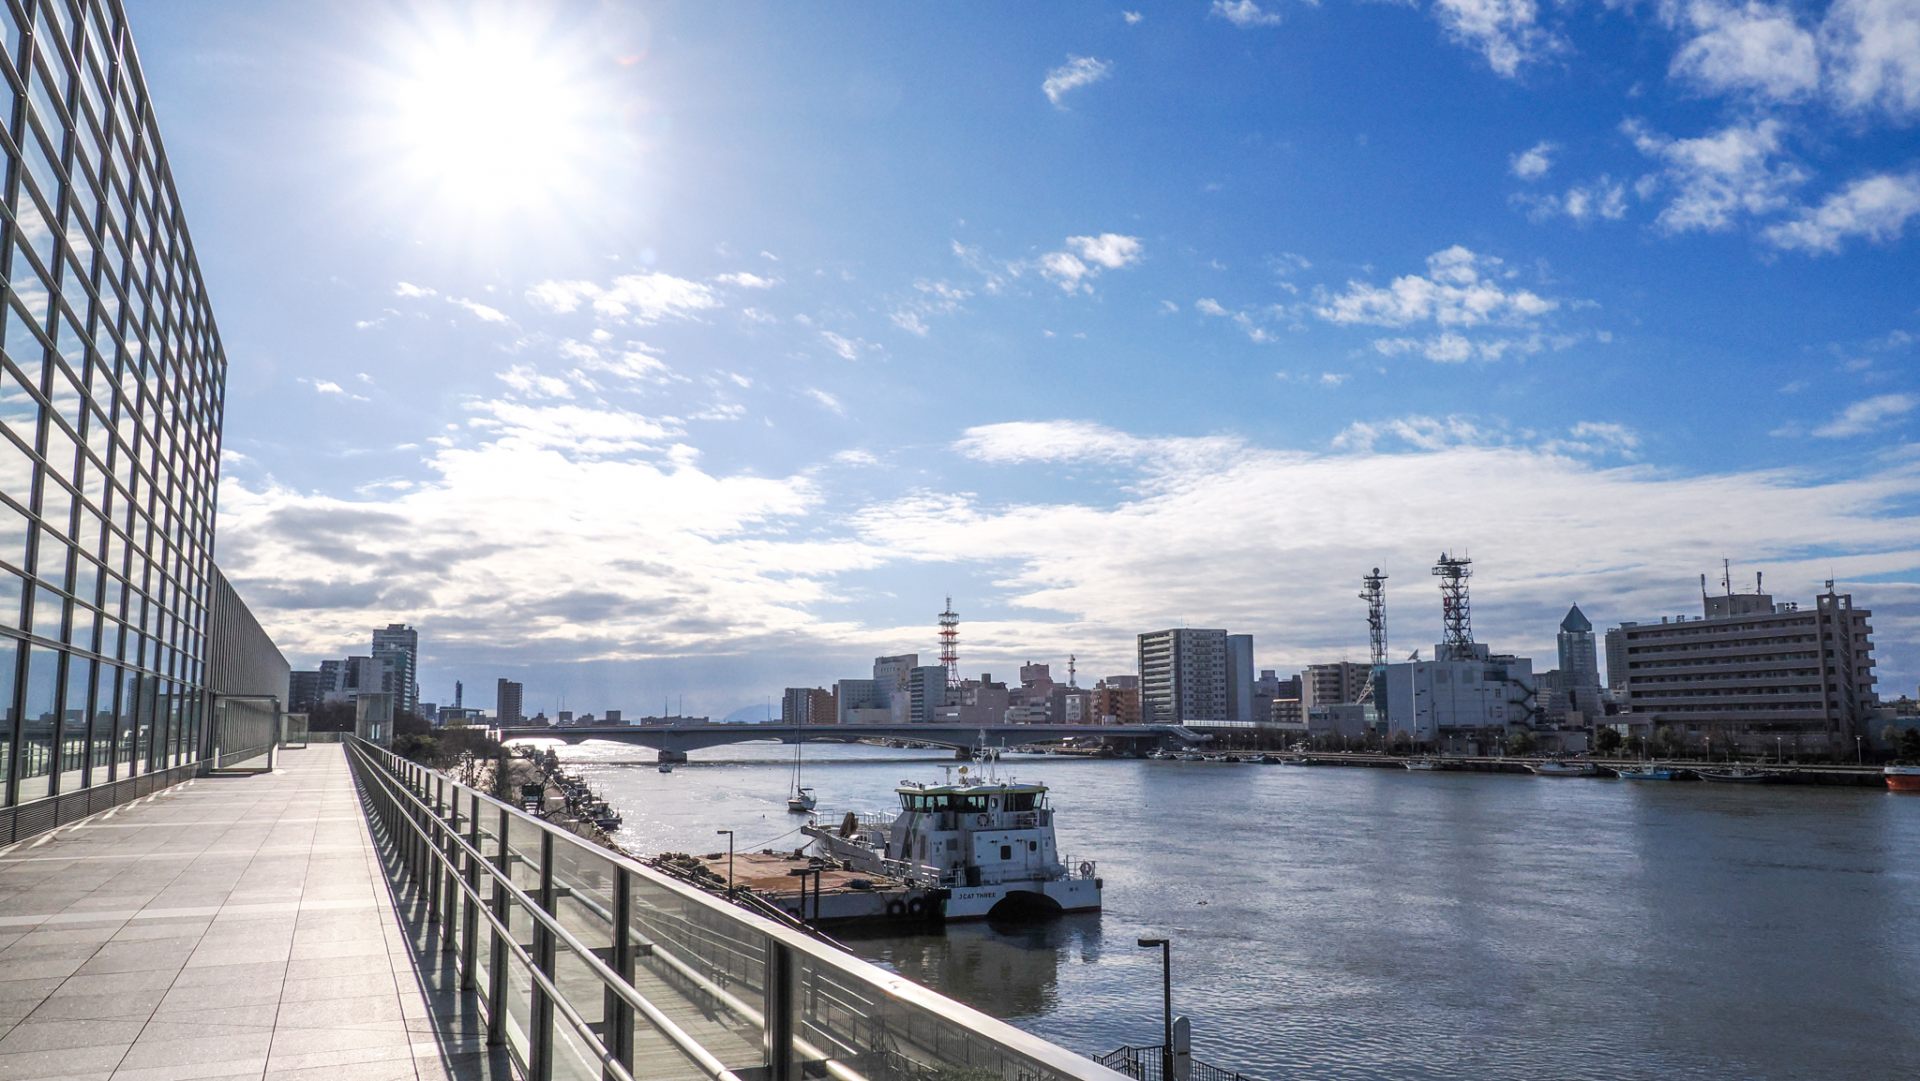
{"type": "Point", "coordinates": [780, 1003]}
{"type": "Point", "coordinates": [430, 887]}
{"type": "Point", "coordinates": [617, 1013]}
{"type": "Point", "coordinates": [540, 1016]}
{"type": "Point", "coordinates": [497, 966]}
{"type": "Point", "coordinates": [449, 807]}
{"type": "Point", "coordinates": [470, 920]}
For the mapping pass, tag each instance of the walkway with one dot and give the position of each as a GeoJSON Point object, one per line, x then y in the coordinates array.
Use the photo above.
{"type": "Point", "coordinates": [233, 927]}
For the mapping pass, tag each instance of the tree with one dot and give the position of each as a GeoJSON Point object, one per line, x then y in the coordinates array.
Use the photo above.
{"type": "Point", "coordinates": [1910, 743]}
{"type": "Point", "coordinates": [1523, 742]}
{"type": "Point", "coordinates": [1608, 740]}
{"type": "Point", "coordinates": [1666, 741]}
{"type": "Point", "coordinates": [331, 717]}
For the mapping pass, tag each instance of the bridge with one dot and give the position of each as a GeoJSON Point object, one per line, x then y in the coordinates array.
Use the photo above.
{"type": "Point", "coordinates": [673, 741]}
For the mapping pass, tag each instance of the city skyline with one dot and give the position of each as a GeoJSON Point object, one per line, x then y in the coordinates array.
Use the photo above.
{"type": "Point", "coordinates": [1096, 323]}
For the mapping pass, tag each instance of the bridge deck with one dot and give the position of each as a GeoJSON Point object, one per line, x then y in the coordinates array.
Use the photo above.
{"type": "Point", "coordinates": [225, 928]}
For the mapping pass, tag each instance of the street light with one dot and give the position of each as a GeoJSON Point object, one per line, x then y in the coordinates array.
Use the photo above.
{"type": "Point", "coordinates": [729, 836]}
{"type": "Point", "coordinates": [1859, 753]}
{"type": "Point", "coordinates": [1779, 750]}
{"type": "Point", "coordinates": [1166, 1002]}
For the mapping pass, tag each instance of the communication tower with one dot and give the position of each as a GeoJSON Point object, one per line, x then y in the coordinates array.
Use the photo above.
{"type": "Point", "coordinates": [1072, 672]}
{"type": "Point", "coordinates": [1374, 591]}
{"type": "Point", "coordinates": [1456, 616]}
{"type": "Point", "coordinates": [950, 644]}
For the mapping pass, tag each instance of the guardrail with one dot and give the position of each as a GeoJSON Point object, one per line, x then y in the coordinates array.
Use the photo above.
{"type": "Point", "coordinates": [1147, 1064]}
{"type": "Point", "coordinates": [588, 965]}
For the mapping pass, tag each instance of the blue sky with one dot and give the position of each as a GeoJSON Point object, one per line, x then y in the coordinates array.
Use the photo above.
{"type": "Point", "coordinates": [703, 349]}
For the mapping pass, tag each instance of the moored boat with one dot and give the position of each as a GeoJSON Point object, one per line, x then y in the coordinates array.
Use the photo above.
{"type": "Point", "coordinates": [1903, 776]}
{"type": "Point", "coordinates": [1427, 763]}
{"type": "Point", "coordinates": [1552, 768]}
{"type": "Point", "coordinates": [1741, 775]}
{"type": "Point", "coordinates": [1648, 772]}
{"type": "Point", "coordinates": [989, 845]}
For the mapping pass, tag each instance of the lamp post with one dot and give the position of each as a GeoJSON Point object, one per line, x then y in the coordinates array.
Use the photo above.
{"type": "Point", "coordinates": [1859, 753]}
{"type": "Point", "coordinates": [1166, 1002]}
{"type": "Point", "coordinates": [729, 836]}
{"type": "Point", "coordinates": [1779, 750]}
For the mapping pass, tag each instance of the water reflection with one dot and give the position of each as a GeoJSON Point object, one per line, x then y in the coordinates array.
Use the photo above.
{"type": "Point", "coordinates": [1010, 970]}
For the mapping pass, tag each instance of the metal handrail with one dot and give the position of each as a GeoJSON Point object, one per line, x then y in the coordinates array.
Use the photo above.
{"type": "Point", "coordinates": [437, 828]}
{"type": "Point", "coordinates": [684, 1043]}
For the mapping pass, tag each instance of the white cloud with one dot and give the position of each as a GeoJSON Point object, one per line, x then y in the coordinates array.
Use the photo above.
{"type": "Point", "coordinates": [532, 383]}
{"type": "Point", "coordinates": [827, 401]}
{"type": "Point", "coordinates": [856, 457]}
{"type": "Point", "coordinates": [410, 290]}
{"type": "Point", "coordinates": [1868, 415]}
{"type": "Point", "coordinates": [843, 347]}
{"type": "Point", "coordinates": [1073, 270]}
{"type": "Point", "coordinates": [331, 388]}
{"type": "Point", "coordinates": [1244, 14]}
{"type": "Point", "coordinates": [482, 312]}
{"type": "Point", "coordinates": [1077, 72]}
{"type": "Point", "coordinates": [1209, 306]}
{"type": "Point", "coordinates": [1133, 17]}
{"type": "Point", "coordinates": [1109, 250]}
{"type": "Point", "coordinates": [1874, 55]}
{"type": "Point", "coordinates": [1107, 565]}
{"type": "Point", "coordinates": [1534, 162]}
{"type": "Point", "coordinates": [1460, 289]}
{"type": "Point", "coordinates": [1748, 48]}
{"type": "Point", "coordinates": [1507, 32]}
{"type": "Point", "coordinates": [746, 280]}
{"type": "Point", "coordinates": [1875, 207]}
{"type": "Point", "coordinates": [1604, 198]}
{"type": "Point", "coordinates": [640, 298]}
{"type": "Point", "coordinates": [1715, 179]}
{"type": "Point", "coordinates": [910, 322]}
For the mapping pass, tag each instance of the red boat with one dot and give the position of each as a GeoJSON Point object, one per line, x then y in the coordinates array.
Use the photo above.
{"type": "Point", "coordinates": [1903, 777]}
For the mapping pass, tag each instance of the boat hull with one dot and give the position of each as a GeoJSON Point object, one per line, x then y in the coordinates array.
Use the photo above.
{"type": "Point", "coordinates": [1903, 778]}
{"type": "Point", "coordinates": [1069, 894]}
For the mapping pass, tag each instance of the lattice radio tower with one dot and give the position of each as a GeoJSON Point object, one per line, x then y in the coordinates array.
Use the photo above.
{"type": "Point", "coordinates": [950, 644]}
{"type": "Point", "coordinates": [1373, 590]}
{"type": "Point", "coordinates": [1456, 615]}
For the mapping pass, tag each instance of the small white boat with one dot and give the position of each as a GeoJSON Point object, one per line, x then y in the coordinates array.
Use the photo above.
{"type": "Point", "coordinates": [802, 801]}
{"type": "Point", "coordinates": [1649, 772]}
{"type": "Point", "coordinates": [1552, 768]}
{"type": "Point", "coordinates": [1427, 763]}
{"type": "Point", "coordinates": [1742, 775]}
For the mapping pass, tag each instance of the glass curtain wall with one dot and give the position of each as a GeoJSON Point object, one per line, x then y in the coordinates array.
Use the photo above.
{"type": "Point", "coordinates": [111, 377]}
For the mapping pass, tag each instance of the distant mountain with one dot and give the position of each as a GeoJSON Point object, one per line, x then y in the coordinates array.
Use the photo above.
{"type": "Point", "coordinates": [747, 715]}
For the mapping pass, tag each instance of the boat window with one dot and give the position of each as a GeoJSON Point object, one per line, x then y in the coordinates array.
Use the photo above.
{"type": "Point", "coordinates": [1006, 852]}
{"type": "Point", "coordinates": [1021, 801]}
{"type": "Point", "coordinates": [1033, 846]}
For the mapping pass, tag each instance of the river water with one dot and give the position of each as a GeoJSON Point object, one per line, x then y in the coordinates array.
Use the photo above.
{"type": "Point", "coordinates": [1369, 924]}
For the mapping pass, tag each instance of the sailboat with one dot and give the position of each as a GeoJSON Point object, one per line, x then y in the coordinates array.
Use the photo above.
{"type": "Point", "coordinates": [801, 801]}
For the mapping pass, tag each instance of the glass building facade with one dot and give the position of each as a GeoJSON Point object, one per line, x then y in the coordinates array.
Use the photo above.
{"type": "Point", "coordinates": [110, 405]}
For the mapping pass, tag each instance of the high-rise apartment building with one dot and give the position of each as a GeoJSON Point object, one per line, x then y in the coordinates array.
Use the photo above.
{"type": "Point", "coordinates": [926, 692]}
{"type": "Point", "coordinates": [806, 705]}
{"type": "Point", "coordinates": [399, 646]}
{"type": "Point", "coordinates": [1335, 684]}
{"type": "Point", "coordinates": [1240, 678]}
{"type": "Point", "coordinates": [111, 392]}
{"type": "Point", "coordinates": [1183, 676]}
{"type": "Point", "coordinates": [1754, 674]}
{"type": "Point", "coordinates": [305, 690]}
{"type": "Point", "coordinates": [508, 705]}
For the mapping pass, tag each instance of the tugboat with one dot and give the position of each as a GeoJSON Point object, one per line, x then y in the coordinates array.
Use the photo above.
{"type": "Point", "coordinates": [1903, 776]}
{"type": "Point", "coordinates": [988, 844]}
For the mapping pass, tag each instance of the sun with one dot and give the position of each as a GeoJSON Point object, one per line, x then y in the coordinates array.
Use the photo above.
{"type": "Point", "coordinates": [491, 118]}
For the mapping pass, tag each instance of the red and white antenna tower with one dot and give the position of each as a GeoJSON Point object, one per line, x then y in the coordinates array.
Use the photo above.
{"type": "Point", "coordinates": [950, 644]}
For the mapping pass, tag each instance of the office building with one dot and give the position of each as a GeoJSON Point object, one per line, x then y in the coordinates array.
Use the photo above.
{"type": "Point", "coordinates": [976, 702]}
{"type": "Point", "coordinates": [1576, 648]}
{"type": "Point", "coordinates": [509, 702]}
{"type": "Point", "coordinates": [305, 690]}
{"type": "Point", "coordinates": [926, 692]}
{"type": "Point", "coordinates": [1183, 676]}
{"type": "Point", "coordinates": [111, 394]}
{"type": "Point", "coordinates": [861, 701]}
{"type": "Point", "coordinates": [399, 646]}
{"type": "Point", "coordinates": [1466, 699]}
{"type": "Point", "coordinates": [1240, 678]}
{"type": "Point", "coordinates": [1752, 674]}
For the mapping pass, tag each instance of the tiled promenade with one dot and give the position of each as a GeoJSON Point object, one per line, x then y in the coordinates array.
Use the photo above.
{"type": "Point", "coordinates": [233, 927]}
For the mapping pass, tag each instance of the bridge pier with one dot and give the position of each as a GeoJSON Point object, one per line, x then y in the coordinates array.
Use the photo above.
{"type": "Point", "coordinates": [673, 756]}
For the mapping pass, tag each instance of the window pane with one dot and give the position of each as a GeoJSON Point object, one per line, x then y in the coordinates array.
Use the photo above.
{"type": "Point", "coordinates": [14, 532]}
{"type": "Point", "coordinates": [37, 723]}
{"type": "Point", "coordinates": [129, 701]}
{"type": "Point", "coordinates": [100, 743]}
{"type": "Point", "coordinates": [73, 727]}
{"type": "Point", "coordinates": [9, 658]}
{"type": "Point", "coordinates": [49, 613]}
{"type": "Point", "coordinates": [12, 593]}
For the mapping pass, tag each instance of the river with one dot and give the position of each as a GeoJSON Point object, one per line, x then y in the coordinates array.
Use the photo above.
{"type": "Point", "coordinates": [1373, 924]}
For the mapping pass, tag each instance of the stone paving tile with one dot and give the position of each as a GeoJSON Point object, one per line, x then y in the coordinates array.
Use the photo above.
{"type": "Point", "coordinates": [235, 927]}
